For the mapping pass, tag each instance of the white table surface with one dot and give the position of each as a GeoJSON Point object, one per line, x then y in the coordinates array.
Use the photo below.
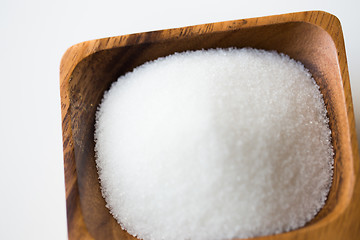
{"type": "Point", "coordinates": [33, 37]}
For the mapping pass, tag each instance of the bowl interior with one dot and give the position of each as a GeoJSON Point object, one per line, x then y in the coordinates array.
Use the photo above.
{"type": "Point", "coordinates": [93, 75]}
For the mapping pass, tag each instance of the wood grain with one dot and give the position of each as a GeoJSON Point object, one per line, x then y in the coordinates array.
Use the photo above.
{"type": "Point", "coordinates": [314, 38]}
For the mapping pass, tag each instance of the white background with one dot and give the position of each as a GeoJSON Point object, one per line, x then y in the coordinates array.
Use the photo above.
{"type": "Point", "coordinates": [34, 35]}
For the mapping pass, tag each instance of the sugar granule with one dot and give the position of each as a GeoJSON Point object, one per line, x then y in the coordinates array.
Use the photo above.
{"type": "Point", "coordinates": [214, 144]}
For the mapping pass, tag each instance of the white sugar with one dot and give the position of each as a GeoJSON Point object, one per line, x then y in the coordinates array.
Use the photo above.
{"type": "Point", "coordinates": [216, 144]}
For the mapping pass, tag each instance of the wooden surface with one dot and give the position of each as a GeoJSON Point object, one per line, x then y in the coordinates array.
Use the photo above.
{"type": "Point", "coordinates": [87, 70]}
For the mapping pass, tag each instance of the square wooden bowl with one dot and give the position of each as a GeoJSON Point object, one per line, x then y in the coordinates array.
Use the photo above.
{"type": "Point", "coordinates": [314, 38]}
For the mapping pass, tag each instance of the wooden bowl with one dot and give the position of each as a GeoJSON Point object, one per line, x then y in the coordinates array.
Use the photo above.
{"type": "Point", "coordinates": [314, 38]}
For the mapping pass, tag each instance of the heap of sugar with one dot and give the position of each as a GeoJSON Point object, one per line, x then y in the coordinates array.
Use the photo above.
{"type": "Point", "coordinates": [215, 144]}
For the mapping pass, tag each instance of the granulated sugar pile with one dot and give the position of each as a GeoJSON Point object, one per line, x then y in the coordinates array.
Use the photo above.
{"type": "Point", "coordinates": [215, 144]}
